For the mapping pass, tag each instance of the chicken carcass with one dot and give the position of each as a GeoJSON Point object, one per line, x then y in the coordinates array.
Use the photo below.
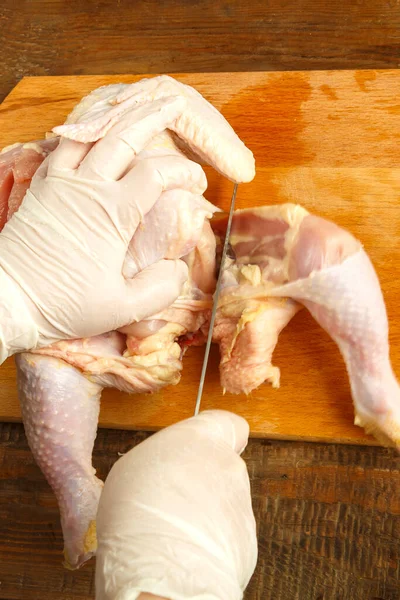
{"type": "Point", "coordinates": [60, 386]}
{"type": "Point", "coordinates": [285, 256]}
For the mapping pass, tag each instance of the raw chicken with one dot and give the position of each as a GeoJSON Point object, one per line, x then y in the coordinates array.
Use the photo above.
{"type": "Point", "coordinates": [60, 408]}
{"type": "Point", "coordinates": [283, 256]}
{"type": "Point", "coordinates": [249, 320]}
{"type": "Point", "coordinates": [202, 132]}
{"type": "Point", "coordinates": [18, 164]}
{"type": "Point", "coordinates": [60, 386]}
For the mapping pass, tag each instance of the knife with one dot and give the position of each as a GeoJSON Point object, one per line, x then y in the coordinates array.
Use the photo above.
{"type": "Point", "coordinates": [215, 303]}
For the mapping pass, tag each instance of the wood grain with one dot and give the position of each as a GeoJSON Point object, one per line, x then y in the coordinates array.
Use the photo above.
{"type": "Point", "coordinates": [328, 140]}
{"type": "Point", "coordinates": [297, 547]}
{"type": "Point", "coordinates": [54, 37]}
{"type": "Point", "coordinates": [328, 520]}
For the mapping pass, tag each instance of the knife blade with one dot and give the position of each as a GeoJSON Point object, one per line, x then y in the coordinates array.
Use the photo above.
{"type": "Point", "coordinates": [215, 303]}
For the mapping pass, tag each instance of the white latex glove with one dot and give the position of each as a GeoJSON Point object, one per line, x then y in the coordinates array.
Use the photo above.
{"type": "Point", "coordinates": [175, 516]}
{"type": "Point", "coordinates": [61, 254]}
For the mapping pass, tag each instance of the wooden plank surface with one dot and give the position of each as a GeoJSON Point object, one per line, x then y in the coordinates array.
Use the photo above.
{"type": "Point", "coordinates": [328, 140]}
{"type": "Point", "coordinates": [340, 547]}
{"type": "Point", "coordinates": [328, 527]}
{"type": "Point", "coordinates": [55, 37]}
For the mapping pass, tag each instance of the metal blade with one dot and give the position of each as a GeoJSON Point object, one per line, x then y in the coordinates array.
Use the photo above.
{"type": "Point", "coordinates": [215, 304]}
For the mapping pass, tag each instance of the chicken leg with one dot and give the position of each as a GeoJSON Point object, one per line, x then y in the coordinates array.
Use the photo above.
{"type": "Point", "coordinates": [284, 253]}
{"type": "Point", "coordinates": [332, 276]}
{"type": "Point", "coordinates": [60, 408]}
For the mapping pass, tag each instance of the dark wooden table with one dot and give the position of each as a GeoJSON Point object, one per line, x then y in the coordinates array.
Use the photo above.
{"type": "Point", "coordinates": [328, 516]}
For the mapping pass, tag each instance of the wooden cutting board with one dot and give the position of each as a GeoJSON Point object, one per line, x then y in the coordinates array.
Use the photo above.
{"type": "Point", "coordinates": [329, 140]}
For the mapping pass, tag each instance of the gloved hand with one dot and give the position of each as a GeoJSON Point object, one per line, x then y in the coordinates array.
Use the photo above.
{"type": "Point", "coordinates": [61, 254]}
{"type": "Point", "coordinates": [175, 517]}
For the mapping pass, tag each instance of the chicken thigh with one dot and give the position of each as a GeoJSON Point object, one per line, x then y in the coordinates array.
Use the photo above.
{"type": "Point", "coordinates": [332, 276]}
{"type": "Point", "coordinates": [285, 256]}
{"type": "Point", "coordinates": [249, 320]}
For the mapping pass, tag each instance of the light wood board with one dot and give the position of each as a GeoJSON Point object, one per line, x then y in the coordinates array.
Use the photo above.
{"type": "Point", "coordinates": [329, 140]}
